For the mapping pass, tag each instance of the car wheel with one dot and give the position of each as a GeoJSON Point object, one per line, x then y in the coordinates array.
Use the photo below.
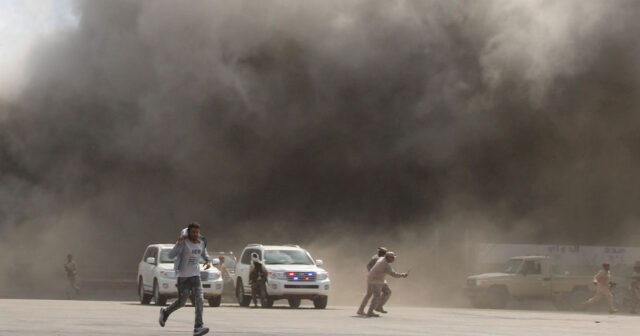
{"type": "Point", "coordinates": [144, 298]}
{"type": "Point", "coordinates": [294, 303]}
{"type": "Point", "coordinates": [478, 302]}
{"type": "Point", "coordinates": [561, 302]}
{"type": "Point", "coordinates": [243, 300]}
{"type": "Point", "coordinates": [320, 302]}
{"type": "Point", "coordinates": [497, 297]}
{"type": "Point", "coordinates": [157, 298]}
{"type": "Point", "coordinates": [266, 302]}
{"type": "Point", "coordinates": [215, 301]}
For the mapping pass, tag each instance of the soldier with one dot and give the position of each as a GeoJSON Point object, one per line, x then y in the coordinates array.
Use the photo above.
{"type": "Point", "coordinates": [386, 291]}
{"type": "Point", "coordinates": [257, 278]}
{"type": "Point", "coordinates": [72, 270]}
{"type": "Point", "coordinates": [375, 281]}
{"type": "Point", "coordinates": [603, 283]}
{"type": "Point", "coordinates": [634, 288]}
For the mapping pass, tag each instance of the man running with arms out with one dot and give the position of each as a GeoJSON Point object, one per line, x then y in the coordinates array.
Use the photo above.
{"type": "Point", "coordinates": [375, 281]}
{"type": "Point", "coordinates": [188, 251]}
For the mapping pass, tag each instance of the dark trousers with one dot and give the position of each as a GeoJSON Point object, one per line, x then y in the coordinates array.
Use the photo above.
{"type": "Point", "coordinates": [257, 291]}
{"type": "Point", "coordinates": [186, 286]}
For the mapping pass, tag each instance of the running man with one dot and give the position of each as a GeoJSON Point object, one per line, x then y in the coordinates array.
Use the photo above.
{"type": "Point", "coordinates": [603, 288]}
{"type": "Point", "coordinates": [189, 252]}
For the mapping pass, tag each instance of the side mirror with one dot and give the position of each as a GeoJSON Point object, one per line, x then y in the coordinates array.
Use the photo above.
{"type": "Point", "coordinates": [151, 260]}
{"type": "Point", "coordinates": [215, 261]}
{"type": "Point", "coordinates": [319, 262]}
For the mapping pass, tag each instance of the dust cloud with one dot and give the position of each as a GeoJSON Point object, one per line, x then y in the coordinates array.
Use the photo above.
{"type": "Point", "coordinates": [338, 125]}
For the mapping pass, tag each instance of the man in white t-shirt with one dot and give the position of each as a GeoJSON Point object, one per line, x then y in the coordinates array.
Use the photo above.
{"type": "Point", "coordinates": [189, 250]}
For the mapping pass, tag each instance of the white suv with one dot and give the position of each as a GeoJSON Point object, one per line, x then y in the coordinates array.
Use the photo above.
{"type": "Point", "coordinates": [293, 275]}
{"type": "Point", "coordinates": [157, 280]}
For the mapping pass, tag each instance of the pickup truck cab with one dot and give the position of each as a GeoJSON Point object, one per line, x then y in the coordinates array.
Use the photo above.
{"type": "Point", "coordinates": [157, 279]}
{"type": "Point", "coordinates": [292, 275]}
{"type": "Point", "coordinates": [528, 277]}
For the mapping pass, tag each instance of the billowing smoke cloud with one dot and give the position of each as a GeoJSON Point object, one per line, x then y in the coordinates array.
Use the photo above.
{"type": "Point", "coordinates": [271, 120]}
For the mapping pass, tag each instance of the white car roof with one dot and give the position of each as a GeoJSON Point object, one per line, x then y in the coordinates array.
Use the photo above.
{"type": "Point", "coordinates": [162, 246]}
{"type": "Point", "coordinates": [281, 247]}
{"type": "Point", "coordinates": [275, 247]}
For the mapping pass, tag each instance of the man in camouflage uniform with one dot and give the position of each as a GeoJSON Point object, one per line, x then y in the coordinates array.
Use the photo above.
{"type": "Point", "coordinates": [72, 271]}
{"type": "Point", "coordinates": [257, 279]}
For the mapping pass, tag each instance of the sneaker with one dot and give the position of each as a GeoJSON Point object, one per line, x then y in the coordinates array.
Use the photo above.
{"type": "Point", "coordinates": [163, 317]}
{"type": "Point", "coordinates": [381, 310]}
{"type": "Point", "coordinates": [200, 331]}
{"type": "Point", "coordinates": [361, 313]}
{"type": "Point", "coordinates": [372, 314]}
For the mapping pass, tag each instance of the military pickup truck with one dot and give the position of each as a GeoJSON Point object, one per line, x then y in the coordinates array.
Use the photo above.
{"type": "Point", "coordinates": [529, 277]}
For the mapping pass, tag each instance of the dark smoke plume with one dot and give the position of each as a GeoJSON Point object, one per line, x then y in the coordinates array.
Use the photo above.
{"type": "Point", "coordinates": [279, 119]}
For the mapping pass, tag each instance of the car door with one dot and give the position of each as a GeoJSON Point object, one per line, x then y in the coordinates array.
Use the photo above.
{"type": "Point", "coordinates": [149, 268]}
{"type": "Point", "coordinates": [142, 267]}
{"type": "Point", "coordinates": [534, 282]}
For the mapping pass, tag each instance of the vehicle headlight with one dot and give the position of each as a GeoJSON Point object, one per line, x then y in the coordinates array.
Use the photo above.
{"type": "Point", "coordinates": [214, 275]}
{"type": "Point", "coordinates": [278, 275]}
{"type": "Point", "coordinates": [322, 276]}
{"type": "Point", "coordinates": [479, 282]}
{"type": "Point", "coordinates": [168, 274]}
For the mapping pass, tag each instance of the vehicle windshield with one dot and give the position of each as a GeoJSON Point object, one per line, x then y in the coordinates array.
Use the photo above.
{"type": "Point", "coordinates": [287, 257]}
{"type": "Point", "coordinates": [164, 257]}
{"type": "Point", "coordinates": [513, 266]}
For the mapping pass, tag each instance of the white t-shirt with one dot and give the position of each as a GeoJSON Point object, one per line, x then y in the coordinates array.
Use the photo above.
{"type": "Point", "coordinates": [190, 263]}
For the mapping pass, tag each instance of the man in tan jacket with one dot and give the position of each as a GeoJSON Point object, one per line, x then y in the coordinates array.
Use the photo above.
{"type": "Point", "coordinates": [386, 291]}
{"type": "Point", "coordinates": [375, 282]}
{"type": "Point", "coordinates": [603, 284]}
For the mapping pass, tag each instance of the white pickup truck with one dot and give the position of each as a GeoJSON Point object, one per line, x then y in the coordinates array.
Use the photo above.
{"type": "Point", "coordinates": [157, 279]}
{"type": "Point", "coordinates": [293, 275]}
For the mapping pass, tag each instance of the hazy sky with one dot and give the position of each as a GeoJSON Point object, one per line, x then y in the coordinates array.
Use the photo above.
{"type": "Point", "coordinates": [23, 22]}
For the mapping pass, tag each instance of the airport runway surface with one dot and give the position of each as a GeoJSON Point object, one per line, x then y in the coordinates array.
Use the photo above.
{"type": "Point", "coordinates": [49, 317]}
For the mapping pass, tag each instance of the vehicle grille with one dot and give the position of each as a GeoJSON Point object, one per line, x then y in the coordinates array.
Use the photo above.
{"type": "Point", "coordinates": [471, 282]}
{"type": "Point", "coordinates": [300, 286]}
{"type": "Point", "coordinates": [301, 276]}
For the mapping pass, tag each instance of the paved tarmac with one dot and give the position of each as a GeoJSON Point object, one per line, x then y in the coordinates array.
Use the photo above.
{"type": "Point", "coordinates": [49, 317]}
